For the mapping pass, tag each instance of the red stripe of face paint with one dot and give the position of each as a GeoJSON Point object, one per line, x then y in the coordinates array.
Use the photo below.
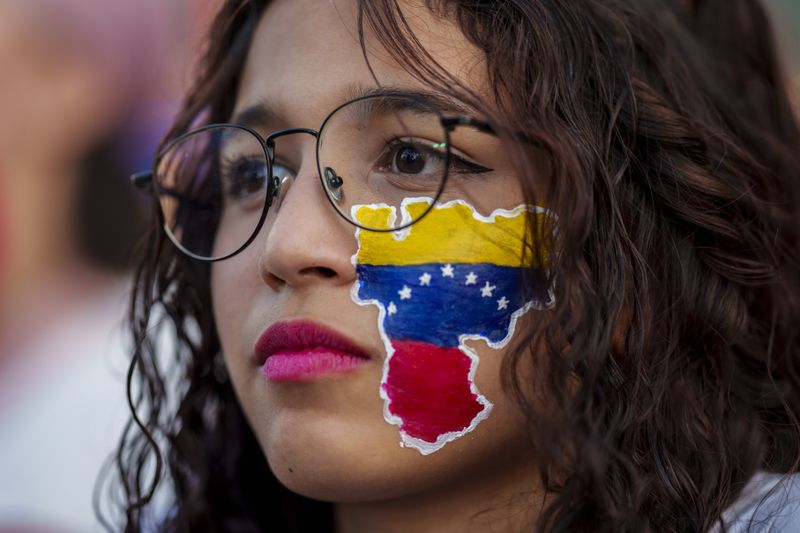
{"type": "Point", "coordinates": [429, 389]}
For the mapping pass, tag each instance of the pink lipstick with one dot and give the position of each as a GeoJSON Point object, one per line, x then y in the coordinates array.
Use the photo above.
{"type": "Point", "coordinates": [302, 350]}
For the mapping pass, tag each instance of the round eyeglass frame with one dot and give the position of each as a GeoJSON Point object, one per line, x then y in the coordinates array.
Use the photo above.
{"type": "Point", "coordinates": [148, 180]}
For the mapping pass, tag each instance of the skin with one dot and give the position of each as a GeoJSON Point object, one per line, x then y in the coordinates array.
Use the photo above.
{"type": "Point", "coordinates": [327, 439]}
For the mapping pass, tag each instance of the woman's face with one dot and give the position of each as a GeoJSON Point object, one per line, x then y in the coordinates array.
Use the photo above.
{"type": "Point", "coordinates": [326, 426]}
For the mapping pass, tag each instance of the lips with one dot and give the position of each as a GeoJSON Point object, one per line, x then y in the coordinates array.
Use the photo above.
{"type": "Point", "coordinates": [303, 349]}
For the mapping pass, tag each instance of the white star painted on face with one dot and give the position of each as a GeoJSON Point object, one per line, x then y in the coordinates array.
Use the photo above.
{"type": "Point", "coordinates": [392, 309]}
{"type": "Point", "coordinates": [447, 271]}
{"type": "Point", "coordinates": [486, 291]}
{"type": "Point", "coordinates": [502, 303]}
{"type": "Point", "coordinates": [405, 293]}
{"type": "Point", "coordinates": [425, 279]}
{"type": "Point", "coordinates": [472, 279]}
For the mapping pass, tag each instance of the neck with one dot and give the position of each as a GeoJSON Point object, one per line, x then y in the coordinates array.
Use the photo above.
{"type": "Point", "coordinates": [506, 498]}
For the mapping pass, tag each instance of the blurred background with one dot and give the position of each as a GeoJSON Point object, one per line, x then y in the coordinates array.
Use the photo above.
{"type": "Point", "coordinates": [786, 16]}
{"type": "Point", "coordinates": [87, 87]}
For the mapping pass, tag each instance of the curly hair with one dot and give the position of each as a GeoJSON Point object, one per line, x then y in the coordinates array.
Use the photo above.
{"type": "Point", "coordinates": [668, 372]}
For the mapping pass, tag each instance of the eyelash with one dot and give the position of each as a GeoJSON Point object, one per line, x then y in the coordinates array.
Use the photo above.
{"type": "Point", "coordinates": [231, 172]}
{"type": "Point", "coordinates": [458, 164]}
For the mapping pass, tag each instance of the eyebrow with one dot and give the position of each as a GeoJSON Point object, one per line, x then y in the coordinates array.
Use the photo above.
{"type": "Point", "coordinates": [263, 113]}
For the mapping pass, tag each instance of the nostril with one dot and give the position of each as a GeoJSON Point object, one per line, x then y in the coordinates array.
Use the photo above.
{"type": "Point", "coordinates": [321, 271]}
{"type": "Point", "coordinates": [272, 280]}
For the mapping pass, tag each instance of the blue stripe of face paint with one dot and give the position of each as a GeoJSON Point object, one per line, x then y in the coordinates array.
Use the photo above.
{"type": "Point", "coordinates": [436, 303]}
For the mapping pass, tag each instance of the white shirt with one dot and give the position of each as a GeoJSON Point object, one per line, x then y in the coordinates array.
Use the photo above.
{"type": "Point", "coordinates": [768, 503]}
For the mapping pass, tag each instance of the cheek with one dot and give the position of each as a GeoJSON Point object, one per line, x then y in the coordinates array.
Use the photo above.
{"type": "Point", "coordinates": [230, 286]}
{"type": "Point", "coordinates": [430, 392]}
{"type": "Point", "coordinates": [236, 225]}
{"type": "Point", "coordinates": [235, 281]}
{"type": "Point", "coordinates": [453, 279]}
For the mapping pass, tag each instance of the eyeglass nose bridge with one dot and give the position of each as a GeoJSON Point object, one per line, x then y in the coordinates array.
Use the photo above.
{"type": "Point", "coordinates": [330, 179]}
{"type": "Point", "coordinates": [269, 146]}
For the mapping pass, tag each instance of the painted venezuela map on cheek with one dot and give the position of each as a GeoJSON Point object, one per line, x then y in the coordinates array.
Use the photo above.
{"type": "Point", "coordinates": [453, 276]}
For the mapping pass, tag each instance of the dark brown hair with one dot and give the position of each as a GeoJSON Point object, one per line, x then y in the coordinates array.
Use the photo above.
{"type": "Point", "coordinates": [667, 371]}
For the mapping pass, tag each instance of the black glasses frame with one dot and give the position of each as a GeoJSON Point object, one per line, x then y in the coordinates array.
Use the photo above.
{"type": "Point", "coordinates": [145, 181]}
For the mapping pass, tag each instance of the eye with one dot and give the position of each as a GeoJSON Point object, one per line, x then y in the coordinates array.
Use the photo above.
{"type": "Point", "coordinates": [244, 180]}
{"type": "Point", "coordinates": [281, 171]}
{"type": "Point", "coordinates": [413, 157]}
{"type": "Point", "coordinates": [409, 160]}
{"type": "Point", "coordinates": [243, 177]}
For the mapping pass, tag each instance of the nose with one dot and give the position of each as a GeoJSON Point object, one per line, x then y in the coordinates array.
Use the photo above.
{"type": "Point", "coordinates": [306, 241]}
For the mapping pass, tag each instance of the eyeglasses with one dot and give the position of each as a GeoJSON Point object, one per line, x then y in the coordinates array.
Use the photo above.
{"type": "Point", "coordinates": [215, 184]}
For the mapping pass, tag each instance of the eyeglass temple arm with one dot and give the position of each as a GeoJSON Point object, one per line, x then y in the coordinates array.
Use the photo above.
{"type": "Point", "coordinates": [143, 181]}
{"type": "Point", "coordinates": [451, 122]}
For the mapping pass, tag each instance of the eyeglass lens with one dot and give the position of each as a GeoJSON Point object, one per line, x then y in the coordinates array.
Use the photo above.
{"type": "Point", "coordinates": [212, 183]}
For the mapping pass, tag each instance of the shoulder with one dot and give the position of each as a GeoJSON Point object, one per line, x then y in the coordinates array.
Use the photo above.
{"type": "Point", "coordinates": [769, 502]}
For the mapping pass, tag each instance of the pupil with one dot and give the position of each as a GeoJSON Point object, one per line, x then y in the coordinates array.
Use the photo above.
{"type": "Point", "coordinates": [410, 161]}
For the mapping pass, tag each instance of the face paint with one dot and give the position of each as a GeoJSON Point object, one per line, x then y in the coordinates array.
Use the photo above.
{"type": "Point", "coordinates": [453, 276]}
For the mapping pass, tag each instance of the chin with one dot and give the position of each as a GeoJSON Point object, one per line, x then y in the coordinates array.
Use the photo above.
{"type": "Point", "coordinates": [329, 460]}
{"type": "Point", "coordinates": [326, 460]}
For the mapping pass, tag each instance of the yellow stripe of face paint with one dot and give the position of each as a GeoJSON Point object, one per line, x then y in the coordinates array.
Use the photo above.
{"type": "Point", "coordinates": [451, 233]}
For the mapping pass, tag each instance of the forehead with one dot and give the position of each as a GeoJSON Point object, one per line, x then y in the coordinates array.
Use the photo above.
{"type": "Point", "coordinates": [305, 58]}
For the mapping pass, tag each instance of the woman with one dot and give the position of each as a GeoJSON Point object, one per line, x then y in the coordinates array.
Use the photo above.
{"type": "Point", "coordinates": [357, 349]}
